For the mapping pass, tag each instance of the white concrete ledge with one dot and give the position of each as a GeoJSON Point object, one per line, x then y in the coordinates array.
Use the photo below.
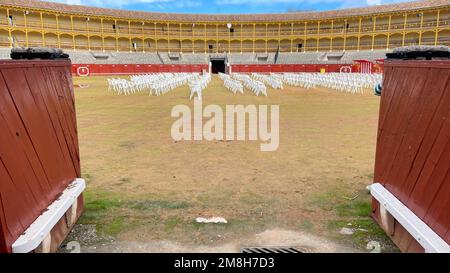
{"type": "Point", "coordinates": [40, 229]}
{"type": "Point", "coordinates": [424, 235]}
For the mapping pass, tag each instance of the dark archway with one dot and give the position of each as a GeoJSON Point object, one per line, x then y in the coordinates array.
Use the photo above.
{"type": "Point", "coordinates": [218, 66]}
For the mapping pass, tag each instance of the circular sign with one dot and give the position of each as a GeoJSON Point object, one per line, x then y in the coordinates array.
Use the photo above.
{"type": "Point", "coordinates": [83, 71]}
{"type": "Point", "coordinates": [346, 69]}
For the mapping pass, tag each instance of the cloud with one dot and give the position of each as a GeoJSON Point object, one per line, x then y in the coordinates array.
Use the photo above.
{"type": "Point", "coordinates": [373, 2]}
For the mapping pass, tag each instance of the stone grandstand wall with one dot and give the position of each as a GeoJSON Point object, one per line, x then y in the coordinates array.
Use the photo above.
{"type": "Point", "coordinates": [137, 62]}
{"type": "Point", "coordinates": [79, 57]}
{"type": "Point", "coordinates": [329, 58]}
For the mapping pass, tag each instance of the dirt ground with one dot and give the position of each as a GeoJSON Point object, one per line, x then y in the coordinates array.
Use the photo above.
{"type": "Point", "coordinates": [144, 188]}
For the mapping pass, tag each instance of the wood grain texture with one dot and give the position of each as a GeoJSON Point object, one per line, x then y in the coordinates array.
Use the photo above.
{"type": "Point", "coordinates": [413, 145]}
{"type": "Point", "coordinates": [39, 154]}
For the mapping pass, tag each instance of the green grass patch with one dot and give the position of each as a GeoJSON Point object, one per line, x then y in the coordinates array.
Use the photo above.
{"type": "Point", "coordinates": [148, 205]}
{"type": "Point", "coordinates": [112, 228]}
{"type": "Point", "coordinates": [354, 209]}
{"type": "Point", "coordinates": [355, 215]}
{"type": "Point", "coordinates": [99, 208]}
{"type": "Point", "coordinates": [365, 231]}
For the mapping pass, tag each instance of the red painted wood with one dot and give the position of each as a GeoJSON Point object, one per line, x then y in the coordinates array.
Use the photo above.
{"type": "Point", "coordinates": [39, 153]}
{"type": "Point", "coordinates": [413, 145]}
{"type": "Point", "coordinates": [439, 216]}
{"type": "Point", "coordinates": [127, 69]}
{"type": "Point", "coordinates": [5, 234]}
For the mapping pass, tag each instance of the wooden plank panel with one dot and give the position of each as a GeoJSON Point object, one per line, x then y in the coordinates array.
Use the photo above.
{"type": "Point", "coordinates": [14, 141]}
{"type": "Point", "coordinates": [438, 215]}
{"type": "Point", "coordinates": [408, 108]}
{"type": "Point", "coordinates": [430, 180]}
{"type": "Point", "coordinates": [39, 152]}
{"type": "Point", "coordinates": [37, 124]}
{"type": "Point", "coordinates": [15, 223]}
{"type": "Point", "coordinates": [392, 128]}
{"type": "Point", "coordinates": [422, 130]}
{"type": "Point", "coordinates": [6, 237]}
{"type": "Point", "coordinates": [42, 95]}
{"type": "Point", "coordinates": [66, 111]}
{"type": "Point", "coordinates": [432, 128]}
{"type": "Point", "coordinates": [386, 104]}
{"type": "Point", "coordinates": [413, 144]}
{"type": "Point", "coordinates": [66, 88]}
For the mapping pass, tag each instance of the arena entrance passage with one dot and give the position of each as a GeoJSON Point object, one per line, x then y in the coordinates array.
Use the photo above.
{"type": "Point", "coordinates": [218, 66]}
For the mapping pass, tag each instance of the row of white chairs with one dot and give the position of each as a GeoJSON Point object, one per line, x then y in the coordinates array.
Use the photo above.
{"type": "Point", "coordinates": [354, 83]}
{"type": "Point", "coordinates": [234, 86]}
{"type": "Point", "coordinates": [255, 86]}
{"type": "Point", "coordinates": [146, 82]}
{"type": "Point", "coordinates": [162, 87]}
{"type": "Point", "coordinates": [154, 84]}
{"type": "Point", "coordinates": [299, 80]}
{"type": "Point", "coordinates": [270, 80]}
{"type": "Point", "coordinates": [122, 86]}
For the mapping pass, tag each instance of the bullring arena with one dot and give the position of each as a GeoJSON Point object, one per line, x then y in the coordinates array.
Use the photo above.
{"type": "Point", "coordinates": [145, 191]}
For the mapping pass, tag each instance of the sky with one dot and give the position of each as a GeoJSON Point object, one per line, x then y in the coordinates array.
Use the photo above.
{"type": "Point", "coordinates": [228, 6]}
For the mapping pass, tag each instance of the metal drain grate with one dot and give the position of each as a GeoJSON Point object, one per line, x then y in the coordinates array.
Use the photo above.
{"type": "Point", "coordinates": [271, 250]}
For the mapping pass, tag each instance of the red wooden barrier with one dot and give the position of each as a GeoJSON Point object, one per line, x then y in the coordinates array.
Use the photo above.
{"type": "Point", "coordinates": [39, 153]}
{"type": "Point", "coordinates": [413, 150]}
{"type": "Point", "coordinates": [128, 69]}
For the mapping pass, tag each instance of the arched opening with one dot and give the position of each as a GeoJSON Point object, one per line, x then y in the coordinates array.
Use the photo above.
{"type": "Point", "coordinates": [338, 44]}
{"type": "Point", "coordinates": [351, 43]}
{"type": "Point", "coordinates": [396, 40]}
{"type": "Point", "coordinates": [380, 42]}
{"type": "Point", "coordinates": [223, 46]}
{"type": "Point", "coordinates": [272, 45]}
{"type": "Point", "coordinates": [325, 44]}
{"type": "Point", "coordinates": [51, 40]}
{"type": "Point", "coordinates": [311, 45]}
{"type": "Point", "coordinates": [81, 42]}
{"type": "Point", "coordinates": [260, 46]}
{"type": "Point", "coordinates": [137, 45]}
{"type": "Point", "coordinates": [211, 46]}
{"type": "Point", "coordinates": [187, 45]}
{"type": "Point", "coordinates": [199, 46]}
{"type": "Point", "coordinates": [235, 46]}
{"type": "Point", "coordinates": [4, 38]}
{"type": "Point", "coordinates": [175, 45]}
{"type": "Point", "coordinates": [365, 43]}
{"type": "Point", "coordinates": [66, 41]}
{"type": "Point", "coordinates": [18, 38]}
{"type": "Point", "coordinates": [96, 43]}
{"type": "Point", "coordinates": [110, 44]}
{"type": "Point", "coordinates": [149, 45]}
{"type": "Point", "coordinates": [35, 39]}
{"type": "Point", "coordinates": [428, 38]}
{"type": "Point", "coordinates": [298, 45]}
{"type": "Point", "coordinates": [162, 45]}
{"type": "Point", "coordinates": [285, 45]}
{"type": "Point", "coordinates": [412, 38]}
{"type": "Point", "coordinates": [444, 37]}
{"type": "Point", "coordinates": [247, 46]}
{"type": "Point", "coordinates": [124, 44]}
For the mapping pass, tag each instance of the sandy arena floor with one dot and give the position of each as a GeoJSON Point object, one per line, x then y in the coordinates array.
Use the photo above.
{"type": "Point", "coordinates": [143, 187]}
